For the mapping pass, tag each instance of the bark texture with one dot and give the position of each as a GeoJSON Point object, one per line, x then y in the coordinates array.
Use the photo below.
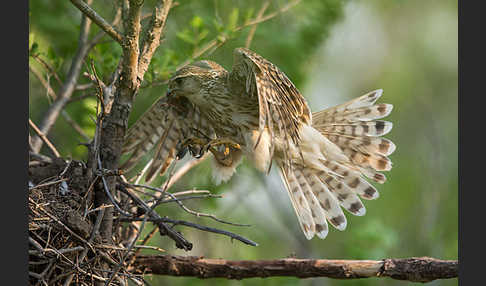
{"type": "Point", "coordinates": [416, 269]}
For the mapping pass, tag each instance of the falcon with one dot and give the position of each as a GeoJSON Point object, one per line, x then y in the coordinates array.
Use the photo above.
{"type": "Point", "coordinates": [255, 111]}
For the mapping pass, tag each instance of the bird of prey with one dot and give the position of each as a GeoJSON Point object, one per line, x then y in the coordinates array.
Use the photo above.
{"type": "Point", "coordinates": [256, 111]}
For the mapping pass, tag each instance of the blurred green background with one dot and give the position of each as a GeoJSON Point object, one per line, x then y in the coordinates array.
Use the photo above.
{"type": "Point", "coordinates": [333, 51]}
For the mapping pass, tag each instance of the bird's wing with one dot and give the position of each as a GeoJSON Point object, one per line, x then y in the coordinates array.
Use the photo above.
{"type": "Point", "coordinates": [166, 123]}
{"type": "Point", "coordinates": [281, 106]}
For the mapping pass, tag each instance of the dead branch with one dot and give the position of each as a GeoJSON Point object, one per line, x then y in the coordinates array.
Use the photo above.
{"type": "Point", "coordinates": [200, 227]}
{"type": "Point", "coordinates": [416, 269]}
{"type": "Point", "coordinates": [198, 214]}
{"type": "Point", "coordinates": [43, 137]}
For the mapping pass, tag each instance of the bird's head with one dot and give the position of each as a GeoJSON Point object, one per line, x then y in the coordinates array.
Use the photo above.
{"type": "Point", "coordinates": [196, 81]}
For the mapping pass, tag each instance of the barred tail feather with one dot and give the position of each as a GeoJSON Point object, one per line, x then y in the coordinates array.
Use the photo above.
{"type": "Point", "coordinates": [340, 149]}
{"type": "Point", "coordinates": [299, 201]}
{"type": "Point", "coordinates": [353, 127]}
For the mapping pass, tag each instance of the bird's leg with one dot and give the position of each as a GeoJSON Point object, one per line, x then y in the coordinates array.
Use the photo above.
{"type": "Point", "coordinates": [196, 146]}
{"type": "Point", "coordinates": [226, 142]}
{"type": "Point", "coordinates": [223, 156]}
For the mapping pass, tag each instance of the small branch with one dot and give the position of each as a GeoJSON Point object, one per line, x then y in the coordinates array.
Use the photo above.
{"type": "Point", "coordinates": [220, 39]}
{"type": "Point", "coordinates": [198, 214]}
{"type": "Point", "coordinates": [69, 84]}
{"type": "Point", "coordinates": [74, 125]}
{"type": "Point", "coordinates": [200, 227]}
{"type": "Point", "coordinates": [46, 66]}
{"type": "Point", "coordinates": [416, 269]}
{"type": "Point", "coordinates": [44, 138]}
{"type": "Point", "coordinates": [180, 241]}
{"type": "Point", "coordinates": [253, 29]}
{"type": "Point", "coordinates": [90, 13]}
{"type": "Point", "coordinates": [183, 170]}
{"type": "Point", "coordinates": [258, 20]}
{"type": "Point", "coordinates": [53, 96]}
{"type": "Point", "coordinates": [44, 83]}
{"type": "Point", "coordinates": [152, 39]}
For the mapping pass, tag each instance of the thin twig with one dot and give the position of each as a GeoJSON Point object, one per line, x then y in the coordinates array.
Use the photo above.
{"type": "Point", "coordinates": [108, 193]}
{"type": "Point", "coordinates": [44, 138]}
{"type": "Point", "coordinates": [46, 66]}
{"type": "Point", "coordinates": [105, 26]}
{"type": "Point", "coordinates": [44, 83]}
{"type": "Point", "coordinates": [198, 226]}
{"type": "Point", "coordinates": [181, 242]}
{"type": "Point", "coordinates": [251, 33]}
{"type": "Point", "coordinates": [220, 40]}
{"type": "Point", "coordinates": [47, 184]}
{"type": "Point", "coordinates": [74, 125]}
{"type": "Point", "coordinates": [187, 209]}
{"type": "Point", "coordinates": [53, 96]}
{"type": "Point", "coordinates": [62, 224]}
{"type": "Point", "coordinates": [269, 16]}
{"type": "Point", "coordinates": [183, 170]}
{"type": "Point", "coordinates": [96, 227]}
{"type": "Point", "coordinates": [67, 89]}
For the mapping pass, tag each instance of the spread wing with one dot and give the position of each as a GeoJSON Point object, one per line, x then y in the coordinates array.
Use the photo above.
{"type": "Point", "coordinates": [282, 109]}
{"type": "Point", "coordinates": [166, 123]}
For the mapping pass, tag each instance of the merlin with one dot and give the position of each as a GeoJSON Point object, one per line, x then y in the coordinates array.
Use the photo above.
{"type": "Point", "coordinates": [255, 111]}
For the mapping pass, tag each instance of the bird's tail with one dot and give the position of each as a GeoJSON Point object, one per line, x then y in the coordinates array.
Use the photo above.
{"type": "Point", "coordinates": [326, 172]}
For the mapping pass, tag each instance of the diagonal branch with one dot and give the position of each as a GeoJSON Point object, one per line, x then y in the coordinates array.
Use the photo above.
{"type": "Point", "coordinates": [416, 269]}
{"type": "Point", "coordinates": [44, 138]}
{"type": "Point", "coordinates": [68, 86]}
{"type": "Point", "coordinates": [197, 226]}
{"type": "Point", "coordinates": [252, 31]}
{"type": "Point", "coordinates": [90, 13]}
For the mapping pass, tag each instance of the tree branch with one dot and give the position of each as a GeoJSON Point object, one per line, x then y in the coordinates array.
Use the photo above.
{"type": "Point", "coordinates": [43, 137]}
{"type": "Point", "coordinates": [67, 88]}
{"type": "Point", "coordinates": [90, 13]}
{"type": "Point", "coordinates": [152, 39]}
{"type": "Point", "coordinates": [249, 38]}
{"type": "Point", "coordinates": [416, 269]}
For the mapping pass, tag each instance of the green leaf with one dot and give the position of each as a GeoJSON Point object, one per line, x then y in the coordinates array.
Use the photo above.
{"type": "Point", "coordinates": [31, 40]}
{"type": "Point", "coordinates": [51, 54]}
{"type": "Point", "coordinates": [197, 22]}
{"type": "Point", "coordinates": [218, 25]}
{"type": "Point", "coordinates": [34, 49]}
{"type": "Point", "coordinates": [249, 14]}
{"type": "Point", "coordinates": [186, 36]}
{"type": "Point", "coordinates": [233, 19]}
{"type": "Point", "coordinates": [202, 35]}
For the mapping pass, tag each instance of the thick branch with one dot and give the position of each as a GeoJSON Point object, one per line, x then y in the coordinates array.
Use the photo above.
{"type": "Point", "coordinates": [115, 123]}
{"type": "Point", "coordinates": [417, 269]}
{"type": "Point", "coordinates": [152, 39]}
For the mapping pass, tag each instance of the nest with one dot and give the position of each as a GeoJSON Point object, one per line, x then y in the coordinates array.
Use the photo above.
{"type": "Point", "coordinates": [64, 245]}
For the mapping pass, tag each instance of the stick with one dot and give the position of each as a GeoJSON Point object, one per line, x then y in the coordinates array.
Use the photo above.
{"type": "Point", "coordinates": [44, 138]}
{"type": "Point", "coordinates": [105, 26]}
{"type": "Point", "coordinates": [416, 269]}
